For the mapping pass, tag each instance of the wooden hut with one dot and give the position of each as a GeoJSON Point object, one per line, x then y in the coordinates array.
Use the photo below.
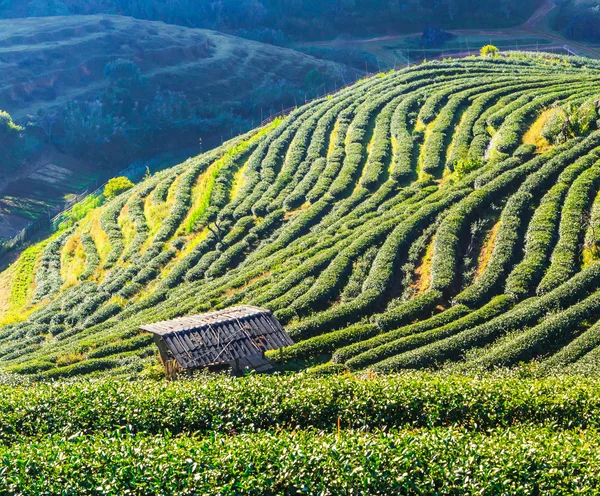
{"type": "Point", "coordinates": [236, 337]}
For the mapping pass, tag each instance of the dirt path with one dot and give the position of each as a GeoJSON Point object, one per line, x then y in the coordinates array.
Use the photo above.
{"type": "Point", "coordinates": [539, 15]}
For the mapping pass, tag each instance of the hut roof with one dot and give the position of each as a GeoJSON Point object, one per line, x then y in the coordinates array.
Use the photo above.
{"type": "Point", "coordinates": [222, 336]}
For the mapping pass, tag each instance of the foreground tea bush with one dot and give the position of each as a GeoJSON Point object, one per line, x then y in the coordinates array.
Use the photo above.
{"type": "Point", "coordinates": [438, 461]}
{"type": "Point", "coordinates": [259, 403]}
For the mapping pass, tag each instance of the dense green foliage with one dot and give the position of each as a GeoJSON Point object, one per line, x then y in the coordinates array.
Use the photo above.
{"type": "Point", "coordinates": [262, 403]}
{"type": "Point", "coordinates": [505, 461]}
{"type": "Point", "coordinates": [404, 222]}
{"type": "Point", "coordinates": [116, 186]}
{"type": "Point", "coordinates": [578, 20]}
{"type": "Point", "coordinates": [418, 433]}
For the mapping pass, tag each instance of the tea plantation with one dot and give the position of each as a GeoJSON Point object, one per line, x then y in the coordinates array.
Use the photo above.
{"type": "Point", "coordinates": [416, 433]}
{"type": "Point", "coordinates": [444, 217]}
{"type": "Point", "coordinates": [447, 212]}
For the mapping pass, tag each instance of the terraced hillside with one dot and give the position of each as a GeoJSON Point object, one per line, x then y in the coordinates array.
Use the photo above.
{"type": "Point", "coordinates": [424, 216]}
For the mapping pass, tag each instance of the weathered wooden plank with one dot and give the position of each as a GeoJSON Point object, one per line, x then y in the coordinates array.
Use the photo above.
{"type": "Point", "coordinates": [221, 336]}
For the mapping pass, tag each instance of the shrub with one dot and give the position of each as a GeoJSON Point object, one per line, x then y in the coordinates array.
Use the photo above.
{"type": "Point", "coordinates": [565, 257]}
{"type": "Point", "coordinates": [116, 186]}
{"type": "Point", "coordinates": [525, 313]}
{"type": "Point", "coordinates": [544, 338]}
{"type": "Point", "coordinates": [489, 51]}
{"type": "Point", "coordinates": [345, 353]}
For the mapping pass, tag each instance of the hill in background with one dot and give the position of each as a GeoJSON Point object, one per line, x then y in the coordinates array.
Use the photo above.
{"type": "Point", "coordinates": [95, 93]}
{"type": "Point", "coordinates": [282, 21]}
{"type": "Point", "coordinates": [578, 20]}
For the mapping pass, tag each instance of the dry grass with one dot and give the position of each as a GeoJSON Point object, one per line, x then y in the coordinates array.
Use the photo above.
{"type": "Point", "coordinates": [157, 212]}
{"type": "Point", "coordinates": [368, 150]}
{"type": "Point", "coordinates": [72, 260]}
{"type": "Point", "coordinates": [201, 193]}
{"type": "Point", "coordinates": [126, 225]}
{"type": "Point", "coordinates": [533, 136]}
{"type": "Point", "coordinates": [172, 369]}
{"type": "Point", "coordinates": [419, 126]}
{"type": "Point", "coordinates": [447, 177]}
{"type": "Point", "coordinates": [194, 241]}
{"type": "Point", "coordinates": [257, 278]}
{"type": "Point", "coordinates": [486, 251]}
{"type": "Point", "coordinates": [332, 138]}
{"type": "Point", "coordinates": [239, 180]}
{"type": "Point", "coordinates": [423, 271]}
{"type": "Point", "coordinates": [22, 282]}
{"type": "Point", "coordinates": [69, 359]}
{"type": "Point", "coordinates": [291, 213]}
{"type": "Point", "coordinates": [6, 280]}
{"type": "Point", "coordinates": [92, 222]}
{"type": "Point", "coordinates": [590, 255]}
{"type": "Point", "coordinates": [394, 143]}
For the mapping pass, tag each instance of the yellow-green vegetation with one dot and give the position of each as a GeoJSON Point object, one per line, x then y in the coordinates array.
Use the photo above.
{"type": "Point", "coordinates": [116, 186]}
{"type": "Point", "coordinates": [203, 190]}
{"type": "Point", "coordinates": [79, 211]}
{"type": "Point", "coordinates": [157, 209]}
{"type": "Point", "coordinates": [24, 272]}
{"type": "Point", "coordinates": [488, 248]}
{"type": "Point", "coordinates": [6, 279]}
{"type": "Point", "coordinates": [423, 271]}
{"type": "Point", "coordinates": [233, 160]}
{"type": "Point", "coordinates": [92, 223]}
{"type": "Point", "coordinates": [7, 124]}
{"type": "Point", "coordinates": [127, 226]}
{"type": "Point", "coordinates": [409, 221]}
{"type": "Point", "coordinates": [489, 51]}
{"type": "Point", "coordinates": [238, 182]}
{"type": "Point", "coordinates": [534, 135]}
{"type": "Point", "coordinates": [72, 262]}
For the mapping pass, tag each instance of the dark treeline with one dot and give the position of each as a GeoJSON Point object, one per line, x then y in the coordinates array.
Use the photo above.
{"type": "Point", "coordinates": [579, 21]}
{"type": "Point", "coordinates": [134, 117]}
{"type": "Point", "coordinates": [280, 21]}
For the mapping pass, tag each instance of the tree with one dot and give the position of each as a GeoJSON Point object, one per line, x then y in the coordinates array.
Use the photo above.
{"type": "Point", "coordinates": [568, 121]}
{"type": "Point", "coordinates": [10, 147]}
{"type": "Point", "coordinates": [116, 186]}
{"type": "Point", "coordinates": [489, 51]}
{"type": "Point", "coordinates": [466, 165]}
{"type": "Point", "coordinates": [123, 73]}
{"type": "Point", "coordinates": [44, 121]}
{"type": "Point", "coordinates": [557, 128]}
{"type": "Point", "coordinates": [9, 131]}
{"type": "Point", "coordinates": [587, 115]}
